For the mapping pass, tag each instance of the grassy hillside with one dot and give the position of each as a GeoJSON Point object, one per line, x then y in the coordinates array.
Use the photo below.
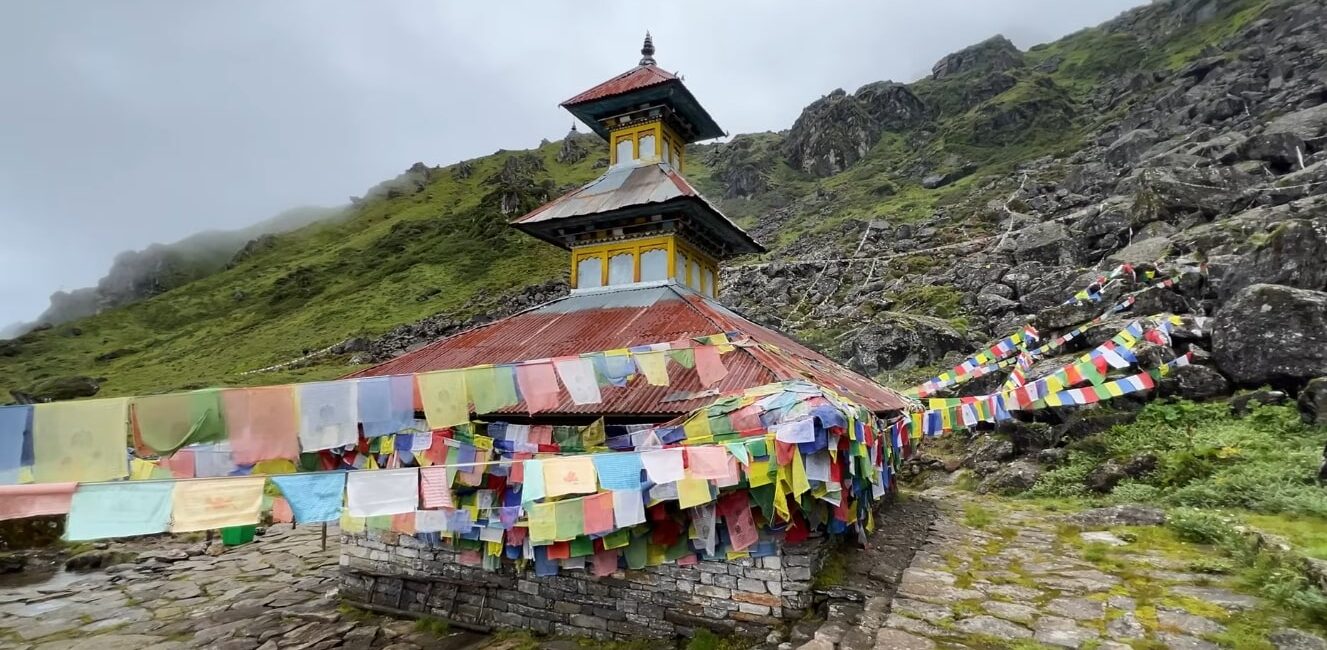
{"type": "Point", "coordinates": [395, 260]}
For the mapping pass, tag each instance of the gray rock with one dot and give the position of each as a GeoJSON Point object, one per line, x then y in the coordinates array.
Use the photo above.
{"type": "Point", "coordinates": [897, 341]}
{"type": "Point", "coordinates": [1017, 612]}
{"type": "Point", "coordinates": [991, 626]}
{"type": "Point", "coordinates": [1179, 621]}
{"type": "Point", "coordinates": [1130, 147]}
{"type": "Point", "coordinates": [1126, 626]}
{"type": "Point", "coordinates": [1312, 402]}
{"type": "Point", "coordinates": [988, 448]}
{"type": "Point", "coordinates": [1195, 382]}
{"type": "Point", "coordinates": [1049, 243]}
{"type": "Point", "coordinates": [1107, 475]}
{"type": "Point", "coordinates": [995, 54]}
{"type": "Point", "coordinates": [891, 639]}
{"type": "Point", "coordinates": [1270, 334]}
{"type": "Point", "coordinates": [1294, 254]}
{"type": "Point", "coordinates": [1015, 477]}
{"type": "Point", "coordinates": [1307, 124]}
{"type": "Point", "coordinates": [1224, 598]}
{"type": "Point", "coordinates": [1121, 515]}
{"type": "Point", "coordinates": [1182, 642]}
{"type": "Point", "coordinates": [1101, 537]}
{"type": "Point", "coordinates": [1079, 609]}
{"type": "Point", "coordinates": [1292, 639]}
{"type": "Point", "coordinates": [1063, 632]}
{"type": "Point", "coordinates": [1281, 150]}
{"type": "Point", "coordinates": [831, 135]}
{"type": "Point", "coordinates": [1244, 403]}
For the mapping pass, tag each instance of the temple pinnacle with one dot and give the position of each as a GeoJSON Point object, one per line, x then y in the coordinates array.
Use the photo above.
{"type": "Point", "coordinates": [647, 51]}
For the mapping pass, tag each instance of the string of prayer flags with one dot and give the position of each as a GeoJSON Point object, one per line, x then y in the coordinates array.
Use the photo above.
{"type": "Point", "coordinates": [208, 504]}
{"type": "Point", "coordinates": [35, 499]}
{"type": "Point", "coordinates": [384, 492]}
{"type": "Point", "coordinates": [80, 441]}
{"type": "Point", "coordinates": [120, 509]}
{"type": "Point", "coordinates": [263, 423]}
{"type": "Point", "coordinates": [313, 497]}
{"type": "Point", "coordinates": [15, 441]}
{"type": "Point", "coordinates": [653, 364]}
{"type": "Point", "coordinates": [329, 415]}
{"type": "Point", "coordinates": [386, 404]}
{"type": "Point", "coordinates": [490, 388]}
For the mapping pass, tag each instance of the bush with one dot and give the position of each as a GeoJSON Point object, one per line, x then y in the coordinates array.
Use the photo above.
{"type": "Point", "coordinates": [1199, 527]}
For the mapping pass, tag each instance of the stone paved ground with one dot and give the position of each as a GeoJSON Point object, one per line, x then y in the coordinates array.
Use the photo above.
{"type": "Point", "coordinates": [276, 593]}
{"type": "Point", "coordinates": [996, 574]}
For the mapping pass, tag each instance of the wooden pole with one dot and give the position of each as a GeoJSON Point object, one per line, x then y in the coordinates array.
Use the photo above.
{"type": "Point", "coordinates": [324, 536]}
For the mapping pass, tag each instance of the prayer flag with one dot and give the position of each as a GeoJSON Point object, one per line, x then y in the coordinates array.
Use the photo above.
{"type": "Point", "coordinates": [628, 508]}
{"type": "Point", "coordinates": [692, 492]}
{"type": "Point", "coordinates": [663, 465]}
{"type": "Point", "coordinates": [329, 415]}
{"type": "Point", "coordinates": [164, 423]}
{"type": "Point", "coordinates": [570, 475]}
{"type": "Point", "coordinates": [539, 386]}
{"type": "Point", "coordinates": [707, 462]}
{"type": "Point", "coordinates": [443, 397]}
{"type": "Point", "coordinates": [569, 521]}
{"type": "Point", "coordinates": [654, 365]}
{"type": "Point", "coordinates": [121, 509]}
{"type": "Point", "coordinates": [35, 499]}
{"type": "Point", "coordinates": [313, 497]}
{"type": "Point", "coordinates": [80, 441]}
{"type": "Point", "coordinates": [263, 423]}
{"type": "Point", "coordinates": [803, 430]}
{"type": "Point", "coordinates": [709, 367]}
{"type": "Point", "coordinates": [180, 464]}
{"type": "Point", "coordinates": [618, 471]}
{"type": "Point", "coordinates": [542, 523]}
{"type": "Point", "coordinates": [382, 492]}
{"type": "Point", "coordinates": [593, 435]}
{"type": "Point", "coordinates": [216, 503]}
{"type": "Point", "coordinates": [435, 487]}
{"type": "Point", "coordinates": [598, 513]}
{"type": "Point", "coordinates": [577, 374]}
{"type": "Point", "coordinates": [15, 436]}
{"type": "Point", "coordinates": [386, 404]}
{"type": "Point", "coordinates": [430, 521]}
{"type": "Point", "coordinates": [490, 388]}
{"type": "Point", "coordinates": [533, 487]}
{"type": "Point", "coordinates": [736, 511]}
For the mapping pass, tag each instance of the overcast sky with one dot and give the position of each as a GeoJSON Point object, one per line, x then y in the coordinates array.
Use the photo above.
{"type": "Point", "coordinates": [127, 123]}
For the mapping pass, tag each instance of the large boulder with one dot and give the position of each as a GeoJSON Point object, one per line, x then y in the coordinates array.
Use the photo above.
{"type": "Point", "coordinates": [831, 135]}
{"type": "Point", "coordinates": [1050, 243]}
{"type": "Point", "coordinates": [1165, 194]}
{"type": "Point", "coordinates": [1295, 255]}
{"type": "Point", "coordinates": [1195, 383]}
{"type": "Point", "coordinates": [1130, 147]}
{"type": "Point", "coordinates": [58, 388]}
{"type": "Point", "coordinates": [994, 54]}
{"type": "Point", "coordinates": [1015, 477]}
{"type": "Point", "coordinates": [1313, 402]}
{"type": "Point", "coordinates": [892, 105]}
{"type": "Point", "coordinates": [1107, 475]}
{"type": "Point", "coordinates": [1272, 334]}
{"type": "Point", "coordinates": [1308, 124]}
{"type": "Point", "coordinates": [1281, 150]}
{"type": "Point", "coordinates": [894, 341]}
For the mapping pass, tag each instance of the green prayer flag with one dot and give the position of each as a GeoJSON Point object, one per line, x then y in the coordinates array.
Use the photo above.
{"type": "Point", "coordinates": [582, 546]}
{"type": "Point", "coordinates": [165, 423]}
{"type": "Point", "coordinates": [637, 552]}
{"type": "Point", "coordinates": [679, 549]}
{"type": "Point", "coordinates": [617, 539]}
{"type": "Point", "coordinates": [685, 357]}
{"type": "Point", "coordinates": [764, 497]}
{"type": "Point", "coordinates": [570, 516]}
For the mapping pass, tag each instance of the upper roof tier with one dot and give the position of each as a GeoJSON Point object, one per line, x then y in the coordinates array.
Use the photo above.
{"type": "Point", "coordinates": [646, 85]}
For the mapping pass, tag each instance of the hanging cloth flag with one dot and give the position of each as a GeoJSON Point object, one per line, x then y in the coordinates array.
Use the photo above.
{"type": "Point", "coordinates": [490, 388]}
{"type": "Point", "coordinates": [598, 513]}
{"type": "Point", "coordinates": [628, 508]}
{"type": "Point", "coordinates": [314, 497]}
{"type": "Point", "coordinates": [180, 464]}
{"type": "Point", "coordinates": [707, 462]}
{"type": "Point", "coordinates": [165, 423]}
{"type": "Point", "coordinates": [533, 488]}
{"type": "Point", "coordinates": [35, 499]}
{"type": "Point", "coordinates": [538, 384]}
{"type": "Point", "coordinates": [329, 415]}
{"type": "Point", "coordinates": [709, 367]}
{"type": "Point", "coordinates": [577, 374]}
{"type": "Point", "coordinates": [443, 395]}
{"type": "Point", "coordinates": [122, 509]}
{"type": "Point", "coordinates": [435, 487]}
{"type": "Point", "coordinates": [594, 435]}
{"type": "Point", "coordinates": [654, 365]}
{"type": "Point", "coordinates": [263, 423]}
{"type": "Point", "coordinates": [736, 511]}
{"type": "Point", "coordinates": [619, 471]}
{"type": "Point", "coordinates": [692, 492]}
{"type": "Point", "coordinates": [803, 430]}
{"type": "Point", "coordinates": [663, 465]}
{"type": "Point", "coordinates": [80, 441]}
{"type": "Point", "coordinates": [216, 503]}
{"type": "Point", "coordinates": [382, 492]}
{"type": "Point", "coordinates": [386, 404]}
{"type": "Point", "coordinates": [430, 521]}
{"type": "Point", "coordinates": [571, 475]}
{"type": "Point", "coordinates": [15, 441]}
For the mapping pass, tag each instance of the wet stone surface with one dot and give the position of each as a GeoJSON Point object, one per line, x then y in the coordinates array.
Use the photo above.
{"type": "Point", "coordinates": [275, 593]}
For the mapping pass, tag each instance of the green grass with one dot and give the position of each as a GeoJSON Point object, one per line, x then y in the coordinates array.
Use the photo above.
{"type": "Point", "coordinates": [1307, 534]}
{"type": "Point", "coordinates": [977, 516]}
{"type": "Point", "coordinates": [433, 626]}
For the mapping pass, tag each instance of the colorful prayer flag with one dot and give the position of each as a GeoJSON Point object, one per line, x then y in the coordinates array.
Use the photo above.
{"type": "Point", "coordinates": [120, 509]}
{"type": "Point", "coordinates": [81, 441]}
{"type": "Point", "coordinates": [313, 497]}
{"type": "Point", "coordinates": [207, 504]}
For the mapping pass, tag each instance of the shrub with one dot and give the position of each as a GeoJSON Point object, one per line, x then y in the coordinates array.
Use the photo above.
{"type": "Point", "coordinates": [1199, 527]}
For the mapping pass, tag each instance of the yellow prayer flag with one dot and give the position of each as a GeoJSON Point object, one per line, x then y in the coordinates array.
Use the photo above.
{"type": "Point", "coordinates": [654, 365]}
{"type": "Point", "coordinates": [594, 435]}
{"type": "Point", "coordinates": [781, 502]}
{"type": "Point", "coordinates": [141, 470]}
{"type": "Point", "coordinates": [1052, 399]}
{"type": "Point", "coordinates": [758, 473]}
{"type": "Point", "coordinates": [655, 554]}
{"type": "Point", "coordinates": [208, 504]}
{"type": "Point", "coordinates": [351, 524]}
{"type": "Point", "coordinates": [443, 396]}
{"type": "Point", "coordinates": [721, 341]}
{"type": "Point", "coordinates": [570, 475]}
{"type": "Point", "coordinates": [692, 492]}
{"type": "Point", "coordinates": [799, 482]}
{"type": "Point", "coordinates": [1054, 384]}
{"type": "Point", "coordinates": [542, 523]}
{"type": "Point", "coordinates": [387, 444]}
{"type": "Point", "coordinates": [278, 466]}
{"type": "Point", "coordinates": [84, 441]}
{"type": "Point", "coordinates": [697, 429]}
{"type": "Point", "coordinates": [482, 443]}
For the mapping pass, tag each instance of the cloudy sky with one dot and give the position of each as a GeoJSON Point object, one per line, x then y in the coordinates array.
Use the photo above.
{"type": "Point", "coordinates": [127, 123]}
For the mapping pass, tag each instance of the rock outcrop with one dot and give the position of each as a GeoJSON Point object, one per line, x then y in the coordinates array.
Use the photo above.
{"type": "Point", "coordinates": [1272, 334]}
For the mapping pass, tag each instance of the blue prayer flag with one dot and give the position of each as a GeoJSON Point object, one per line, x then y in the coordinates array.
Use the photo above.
{"type": "Point", "coordinates": [121, 509]}
{"type": "Point", "coordinates": [386, 404]}
{"type": "Point", "coordinates": [15, 441]}
{"type": "Point", "coordinates": [618, 471]}
{"type": "Point", "coordinates": [313, 497]}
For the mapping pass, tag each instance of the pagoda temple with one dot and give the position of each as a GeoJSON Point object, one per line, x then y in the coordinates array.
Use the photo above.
{"type": "Point", "coordinates": [646, 252]}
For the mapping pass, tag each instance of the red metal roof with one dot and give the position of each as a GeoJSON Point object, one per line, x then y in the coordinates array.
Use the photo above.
{"type": "Point", "coordinates": [591, 322]}
{"type": "Point", "coordinates": [642, 76]}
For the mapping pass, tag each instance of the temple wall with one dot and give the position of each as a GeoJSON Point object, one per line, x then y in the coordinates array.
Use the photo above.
{"type": "Point", "coordinates": [748, 596]}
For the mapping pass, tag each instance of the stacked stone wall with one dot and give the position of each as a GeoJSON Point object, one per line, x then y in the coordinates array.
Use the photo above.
{"type": "Point", "coordinates": [747, 596]}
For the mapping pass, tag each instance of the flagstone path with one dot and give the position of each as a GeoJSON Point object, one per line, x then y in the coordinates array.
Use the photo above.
{"type": "Point", "coordinates": [276, 593]}
{"type": "Point", "coordinates": [1000, 574]}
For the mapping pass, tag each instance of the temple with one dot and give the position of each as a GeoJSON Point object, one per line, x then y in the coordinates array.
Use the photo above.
{"type": "Point", "coordinates": [646, 251]}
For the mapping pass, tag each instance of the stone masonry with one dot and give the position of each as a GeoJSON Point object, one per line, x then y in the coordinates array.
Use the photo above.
{"type": "Point", "coordinates": [748, 597]}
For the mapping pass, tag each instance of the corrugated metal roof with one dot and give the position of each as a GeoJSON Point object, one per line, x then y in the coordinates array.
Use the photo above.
{"type": "Point", "coordinates": [629, 186]}
{"type": "Point", "coordinates": [636, 78]}
{"type": "Point", "coordinates": [628, 317]}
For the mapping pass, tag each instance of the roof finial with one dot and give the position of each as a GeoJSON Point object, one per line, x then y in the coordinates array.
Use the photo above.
{"type": "Point", "coordinates": [647, 51]}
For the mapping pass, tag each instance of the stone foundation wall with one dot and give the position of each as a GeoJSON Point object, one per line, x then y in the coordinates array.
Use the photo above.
{"type": "Point", "coordinates": [746, 597]}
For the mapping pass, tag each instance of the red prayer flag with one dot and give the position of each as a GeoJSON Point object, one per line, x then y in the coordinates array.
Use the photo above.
{"type": "Point", "coordinates": [709, 367]}
{"type": "Point", "coordinates": [598, 511]}
{"type": "Point", "coordinates": [735, 508]}
{"type": "Point", "coordinates": [539, 386]}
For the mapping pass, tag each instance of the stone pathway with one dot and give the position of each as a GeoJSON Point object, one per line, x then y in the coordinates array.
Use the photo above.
{"type": "Point", "coordinates": [998, 574]}
{"type": "Point", "coordinates": [278, 592]}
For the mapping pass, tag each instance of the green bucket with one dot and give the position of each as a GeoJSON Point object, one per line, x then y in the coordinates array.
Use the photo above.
{"type": "Point", "coordinates": [236, 535]}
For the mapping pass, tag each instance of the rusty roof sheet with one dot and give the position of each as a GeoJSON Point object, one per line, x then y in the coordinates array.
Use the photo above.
{"type": "Point", "coordinates": [591, 322]}
{"type": "Point", "coordinates": [636, 78]}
